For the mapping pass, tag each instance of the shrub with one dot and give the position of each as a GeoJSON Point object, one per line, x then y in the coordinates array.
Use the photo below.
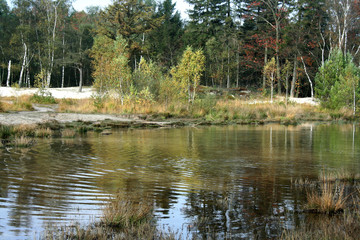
{"type": "Point", "coordinates": [337, 82]}
{"type": "Point", "coordinates": [43, 97]}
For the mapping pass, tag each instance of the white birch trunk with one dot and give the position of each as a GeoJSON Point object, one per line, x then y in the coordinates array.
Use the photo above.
{"type": "Point", "coordinates": [63, 66]}
{"type": "Point", "coordinates": [308, 77]}
{"type": "Point", "coordinates": [81, 78]}
{"type": "Point", "coordinates": [9, 74]}
{"type": "Point", "coordinates": [23, 65]}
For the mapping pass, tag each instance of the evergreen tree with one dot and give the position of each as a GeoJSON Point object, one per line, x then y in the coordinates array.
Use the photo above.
{"type": "Point", "coordinates": [133, 20]}
{"type": "Point", "coordinates": [336, 80]}
{"type": "Point", "coordinates": [166, 40]}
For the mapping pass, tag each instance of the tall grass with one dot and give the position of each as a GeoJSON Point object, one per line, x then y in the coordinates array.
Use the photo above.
{"type": "Point", "coordinates": [22, 142]}
{"type": "Point", "coordinates": [122, 212]}
{"type": "Point", "coordinates": [25, 130]}
{"type": "Point", "coordinates": [329, 200]}
{"type": "Point", "coordinates": [68, 133]}
{"type": "Point", "coordinates": [211, 109]}
{"type": "Point", "coordinates": [43, 133]}
{"type": "Point", "coordinates": [21, 103]}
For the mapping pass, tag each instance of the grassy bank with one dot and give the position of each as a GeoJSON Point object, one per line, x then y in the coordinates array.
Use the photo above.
{"type": "Point", "coordinates": [212, 110]}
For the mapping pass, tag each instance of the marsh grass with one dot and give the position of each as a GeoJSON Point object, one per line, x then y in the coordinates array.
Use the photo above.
{"type": "Point", "coordinates": [25, 130]}
{"type": "Point", "coordinates": [124, 217]}
{"type": "Point", "coordinates": [210, 108]}
{"type": "Point", "coordinates": [330, 199]}
{"type": "Point", "coordinates": [337, 227]}
{"type": "Point", "coordinates": [123, 212]}
{"type": "Point", "coordinates": [68, 133]}
{"type": "Point", "coordinates": [43, 133]}
{"type": "Point", "coordinates": [335, 197]}
{"type": "Point", "coordinates": [6, 131]}
{"type": "Point", "coordinates": [22, 141]}
{"type": "Point", "coordinates": [339, 175]}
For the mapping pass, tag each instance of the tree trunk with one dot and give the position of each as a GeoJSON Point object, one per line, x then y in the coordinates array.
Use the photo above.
{"type": "Point", "coordinates": [237, 68]}
{"type": "Point", "coordinates": [308, 77]}
{"type": "Point", "coordinates": [27, 76]}
{"type": "Point", "coordinates": [81, 78]}
{"type": "Point", "coordinates": [228, 68]}
{"type": "Point", "coordinates": [287, 86]}
{"type": "Point", "coordinates": [272, 87]}
{"type": "Point", "coordinates": [292, 90]}
{"type": "Point", "coordinates": [277, 56]}
{"type": "Point", "coordinates": [265, 62]}
{"type": "Point", "coordinates": [354, 100]}
{"type": "Point", "coordinates": [9, 74]}
{"type": "Point", "coordinates": [23, 65]}
{"type": "Point", "coordinates": [63, 63]}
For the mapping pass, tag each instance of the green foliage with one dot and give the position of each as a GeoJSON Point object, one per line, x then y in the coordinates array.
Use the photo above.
{"type": "Point", "coordinates": [43, 97]}
{"type": "Point", "coordinates": [147, 77]}
{"type": "Point", "coordinates": [170, 90]}
{"type": "Point", "coordinates": [99, 100]}
{"type": "Point", "coordinates": [270, 71]}
{"type": "Point", "coordinates": [6, 131]}
{"type": "Point", "coordinates": [189, 71]}
{"type": "Point", "coordinates": [337, 82]}
{"type": "Point", "coordinates": [111, 70]}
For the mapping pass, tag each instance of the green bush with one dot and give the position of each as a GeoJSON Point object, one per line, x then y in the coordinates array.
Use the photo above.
{"type": "Point", "coordinates": [337, 81]}
{"type": "Point", "coordinates": [43, 97]}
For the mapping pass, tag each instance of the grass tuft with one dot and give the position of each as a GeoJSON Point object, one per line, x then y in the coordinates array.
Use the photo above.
{"type": "Point", "coordinates": [68, 133]}
{"type": "Point", "coordinates": [43, 133]}
{"type": "Point", "coordinates": [329, 200]}
{"type": "Point", "coordinates": [22, 142]}
{"type": "Point", "coordinates": [121, 212]}
{"type": "Point", "coordinates": [27, 130]}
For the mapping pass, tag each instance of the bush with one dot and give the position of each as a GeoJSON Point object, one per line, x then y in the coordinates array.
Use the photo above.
{"type": "Point", "coordinates": [337, 81]}
{"type": "Point", "coordinates": [43, 97]}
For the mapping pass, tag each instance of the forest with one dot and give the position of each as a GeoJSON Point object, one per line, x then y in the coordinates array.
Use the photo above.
{"type": "Point", "coordinates": [143, 48]}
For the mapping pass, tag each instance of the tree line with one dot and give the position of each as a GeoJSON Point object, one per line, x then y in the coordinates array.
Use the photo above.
{"type": "Point", "coordinates": [236, 41]}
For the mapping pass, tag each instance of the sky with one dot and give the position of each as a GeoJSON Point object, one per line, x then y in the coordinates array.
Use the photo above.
{"type": "Point", "coordinates": [79, 5]}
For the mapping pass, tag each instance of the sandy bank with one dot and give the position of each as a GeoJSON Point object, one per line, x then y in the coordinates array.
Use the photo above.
{"type": "Point", "coordinates": [58, 93]}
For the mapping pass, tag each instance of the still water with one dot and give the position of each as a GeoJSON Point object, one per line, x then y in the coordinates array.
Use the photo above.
{"type": "Point", "coordinates": [232, 181]}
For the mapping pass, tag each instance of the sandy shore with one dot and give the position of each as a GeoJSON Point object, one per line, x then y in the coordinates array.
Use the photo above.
{"type": "Point", "coordinates": [58, 93]}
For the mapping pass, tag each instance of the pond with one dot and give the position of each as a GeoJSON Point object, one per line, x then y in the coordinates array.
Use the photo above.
{"type": "Point", "coordinates": [228, 181]}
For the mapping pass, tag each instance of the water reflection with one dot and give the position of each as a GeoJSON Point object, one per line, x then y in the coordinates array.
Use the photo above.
{"type": "Point", "coordinates": [229, 181]}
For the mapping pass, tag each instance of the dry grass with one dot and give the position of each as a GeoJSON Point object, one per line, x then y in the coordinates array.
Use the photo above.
{"type": "Point", "coordinates": [68, 133]}
{"type": "Point", "coordinates": [329, 200]}
{"type": "Point", "coordinates": [123, 212]}
{"type": "Point", "coordinates": [25, 130]}
{"type": "Point", "coordinates": [21, 103]}
{"type": "Point", "coordinates": [211, 109]}
{"type": "Point", "coordinates": [339, 175]}
{"type": "Point", "coordinates": [43, 133]}
{"type": "Point", "coordinates": [22, 142]}
{"type": "Point", "coordinates": [335, 228]}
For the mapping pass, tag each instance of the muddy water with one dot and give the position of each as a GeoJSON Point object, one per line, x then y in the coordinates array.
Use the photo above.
{"type": "Point", "coordinates": [232, 181]}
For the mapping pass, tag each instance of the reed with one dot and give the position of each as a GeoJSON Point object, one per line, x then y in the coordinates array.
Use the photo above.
{"type": "Point", "coordinates": [122, 212]}
{"type": "Point", "coordinates": [22, 142]}
{"type": "Point", "coordinates": [25, 130]}
{"type": "Point", "coordinates": [6, 131]}
{"type": "Point", "coordinates": [339, 175]}
{"type": "Point", "coordinates": [68, 133]}
{"type": "Point", "coordinates": [43, 133]}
